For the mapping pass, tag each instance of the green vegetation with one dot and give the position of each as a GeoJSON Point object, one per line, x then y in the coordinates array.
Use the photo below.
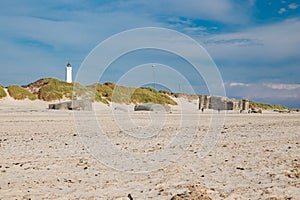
{"type": "Point", "coordinates": [52, 89]}
{"type": "Point", "coordinates": [265, 106]}
{"type": "Point", "coordinates": [190, 97]}
{"type": "Point", "coordinates": [2, 92]}
{"type": "Point", "coordinates": [92, 92]}
{"type": "Point", "coordinates": [166, 92]}
{"type": "Point", "coordinates": [146, 95]}
{"type": "Point", "coordinates": [127, 95]}
{"type": "Point", "coordinates": [20, 93]}
{"type": "Point", "coordinates": [103, 92]}
{"type": "Point", "coordinates": [121, 94]}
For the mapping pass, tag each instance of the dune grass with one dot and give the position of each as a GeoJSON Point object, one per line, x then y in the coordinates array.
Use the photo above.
{"type": "Point", "coordinates": [265, 106]}
{"type": "Point", "coordinates": [102, 92]}
{"type": "Point", "coordinates": [54, 89]}
{"type": "Point", "coordinates": [2, 92]}
{"type": "Point", "coordinates": [20, 93]}
{"type": "Point", "coordinates": [127, 95]}
{"type": "Point", "coordinates": [146, 95]}
{"type": "Point", "coordinates": [51, 89]}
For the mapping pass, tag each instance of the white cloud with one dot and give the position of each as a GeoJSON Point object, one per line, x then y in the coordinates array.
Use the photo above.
{"type": "Point", "coordinates": [225, 11]}
{"type": "Point", "coordinates": [274, 93]}
{"type": "Point", "coordinates": [33, 37]}
{"type": "Point", "coordinates": [84, 33]}
{"type": "Point", "coordinates": [293, 6]}
{"type": "Point", "coordinates": [70, 29]}
{"type": "Point", "coordinates": [270, 43]}
{"type": "Point", "coordinates": [219, 10]}
{"type": "Point", "coordinates": [233, 84]}
{"type": "Point", "coordinates": [282, 86]}
{"type": "Point", "coordinates": [281, 10]}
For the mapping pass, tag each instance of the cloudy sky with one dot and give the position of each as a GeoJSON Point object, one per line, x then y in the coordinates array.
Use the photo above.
{"type": "Point", "coordinates": [255, 44]}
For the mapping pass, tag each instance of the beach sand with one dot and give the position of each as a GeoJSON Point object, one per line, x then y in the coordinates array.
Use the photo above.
{"type": "Point", "coordinates": [257, 156]}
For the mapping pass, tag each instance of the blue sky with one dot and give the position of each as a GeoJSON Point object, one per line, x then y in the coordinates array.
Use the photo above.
{"type": "Point", "coordinates": [255, 44]}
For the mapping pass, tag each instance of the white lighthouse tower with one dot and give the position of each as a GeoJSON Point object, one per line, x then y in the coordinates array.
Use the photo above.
{"type": "Point", "coordinates": [69, 73]}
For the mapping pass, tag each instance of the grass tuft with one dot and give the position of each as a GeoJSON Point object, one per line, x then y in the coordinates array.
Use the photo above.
{"type": "Point", "coordinates": [2, 92]}
{"type": "Point", "coordinates": [127, 95]}
{"type": "Point", "coordinates": [265, 106]}
{"type": "Point", "coordinates": [20, 93]}
{"type": "Point", "coordinates": [52, 89]}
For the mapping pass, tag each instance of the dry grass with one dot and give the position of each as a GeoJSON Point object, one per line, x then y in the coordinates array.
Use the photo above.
{"type": "Point", "coordinates": [2, 92]}
{"type": "Point", "coordinates": [20, 93]}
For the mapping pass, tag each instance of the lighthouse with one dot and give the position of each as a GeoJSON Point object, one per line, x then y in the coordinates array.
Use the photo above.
{"type": "Point", "coordinates": [69, 73]}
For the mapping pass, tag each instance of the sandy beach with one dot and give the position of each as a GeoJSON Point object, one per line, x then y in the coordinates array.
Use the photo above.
{"type": "Point", "coordinates": [257, 156]}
